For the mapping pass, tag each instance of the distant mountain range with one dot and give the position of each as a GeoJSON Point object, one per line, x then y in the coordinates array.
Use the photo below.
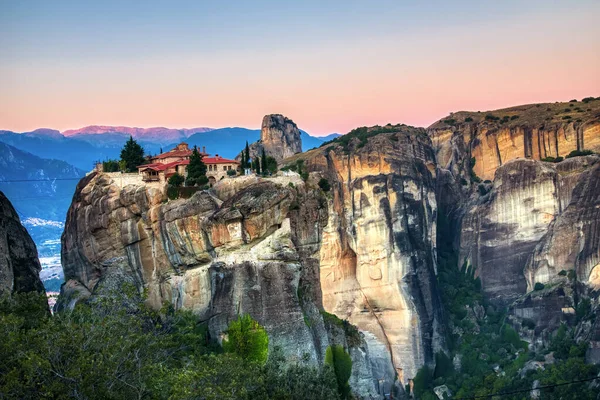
{"type": "Point", "coordinates": [41, 191]}
{"type": "Point", "coordinates": [83, 147]}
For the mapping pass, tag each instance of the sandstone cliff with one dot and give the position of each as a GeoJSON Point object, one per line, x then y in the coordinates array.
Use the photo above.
{"type": "Point", "coordinates": [19, 264]}
{"type": "Point", "coordinates": [279, 137]}
{"type": "Point", "coordinates": [377, 258]}
{"type": "Point", "coordinates": [248, 246]}
{"type": "Point", "coordinates": [534, 131]}
{"type": "Point", "coordinates": [532, 206]}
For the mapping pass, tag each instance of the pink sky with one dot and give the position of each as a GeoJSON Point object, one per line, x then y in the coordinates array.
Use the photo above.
{"type": "Point", "coordinates": [326, 84]}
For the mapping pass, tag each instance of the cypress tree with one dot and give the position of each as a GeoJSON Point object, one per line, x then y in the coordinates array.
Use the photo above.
{"type": "Point", "coordinates": [196, 170]}
{"type": "Point", "coordinates": [247, 151]}
{"type": "Point", "coordinates": [263, 162]}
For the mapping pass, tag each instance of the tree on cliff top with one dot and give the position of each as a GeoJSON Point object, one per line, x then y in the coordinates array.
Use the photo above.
{"type": "Point", "coordinates": [132, 155]}
{"type": "Point", "coordinates": [196, 170]}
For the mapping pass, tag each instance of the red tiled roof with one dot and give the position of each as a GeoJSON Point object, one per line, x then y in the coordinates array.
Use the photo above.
{"type": "Point", "coordinates": [173, 153]}
{"type": "Point", "coordinates": [218, 160]}
{"type": "Point", "coordinates": [162, 167]}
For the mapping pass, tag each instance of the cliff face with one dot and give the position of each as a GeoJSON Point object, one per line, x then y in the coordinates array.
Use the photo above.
{"type": "Point", "coordinates": [377, 258]}
{"type": "Point", "coordinates": [494, 138]}
{"type": "Point", "coordinates": [249, 246]}
{"type": "Point", "coordinates": [282, 250]}
{"type": "Point", "coordinates": [19, 264]}
{"type": "Point", "coordinates": [572, 241]}
{"type": "Point", "coordinates": [279, 137]}
{"type": "Point", "coordinates": [531, 204]}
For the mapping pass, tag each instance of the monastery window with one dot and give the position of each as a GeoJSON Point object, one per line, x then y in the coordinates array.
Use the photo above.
{"type": "Point", "coordinates": [224, 168]}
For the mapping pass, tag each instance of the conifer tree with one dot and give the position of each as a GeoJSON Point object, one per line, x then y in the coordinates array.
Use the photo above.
{"type": "Point", "coordinates": [247, 151]}
{"type": "Point", "coordinates": [132, 155]}
{"type": "Point", "coordinates": [263, 162]}
{"type": "Point", "coordinates": [196, 170]}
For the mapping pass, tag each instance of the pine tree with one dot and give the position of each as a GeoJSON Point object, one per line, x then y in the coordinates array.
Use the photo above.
{"type": "Point", "coordinates": [263, 162]}
{"type": "Point", "coordinates": [132, 155]}
{"type": "Point", "coordinates": [196, 170]}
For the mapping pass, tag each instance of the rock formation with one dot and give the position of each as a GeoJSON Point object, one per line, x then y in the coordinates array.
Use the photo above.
{"type": "Point", "coordinates": [354, 234]}
{"type": "Point", "coordinates": [19, 264]}
{"type": "Point", "coordinates": [377, 258]}
{"type": "Point", "coordinates": [532, 131]}
{"type": "Point", "coordinates": [526, 201]}
{"type": "Point", "coordinates": [279, 137]}
{"type": "Point", "coordinates": [248, 246]}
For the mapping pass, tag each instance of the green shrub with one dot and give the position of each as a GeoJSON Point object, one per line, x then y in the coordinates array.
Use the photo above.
{"type": "Point", "coordinates": [111, 166]}
{"type": "Point", "coordinates": [587, 99]}
{"type": "Point", "coordinates": [514, 117]}
{"type": "Point", "coordinates": [336, 357]}
{"type": "Point", "coordinates": [573, 101]}
{"type": "Point", "coordinates": [538, 286]}
{"type": "Point", "coordinates": [566, 117]}
{"type": "Point", "coordinates": [247, 339]}
{"type": "Point", "coordinates": [172, 192]}
{"type": "Point", "coordinates": [562, 273]}
{"type": "Point", "coordinates": [468, 119]}
{"type": "Point", "coordinates": [528, 323]}
{"type": "Point", "coordinates": [482, 190]}
{"type": "Point", "coordinates": [450, 121]}
{"type": "Point", "coordinates": [324, 185]}
{"type": "Point", "coordinates": [552, 159]}
{"type": "Point", "coordinates": [176, 180]}
{"type": "Point", "coordinates": [577, 153]}
{"type": "Point", "coordinates": [491, 117]}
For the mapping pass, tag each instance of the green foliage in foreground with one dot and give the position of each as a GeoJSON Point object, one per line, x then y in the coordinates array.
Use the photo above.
{"type": "Point", "coordinates": [490, 350]}
{"type": "Point", "coordinates": [336, 357]}
{"type": "Point", "coordinates": [119, 349]}
{"type": "Point", "coordinates": [247, 339]}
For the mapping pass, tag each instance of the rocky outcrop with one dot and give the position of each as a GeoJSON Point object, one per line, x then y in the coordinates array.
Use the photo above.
{"type": "Point", "coordinates": [533, 131]}
{"type": "Point", "coordinates": [531, 207]}
{"type": "Point", "coordinates": [19, 264]}
{"type": "Point", "coordinates": [572, 241]}
{"type": "Point", "coordinates": [248, 246]}
{"type": "Point", "coordinates": [279, 138]}
{"type": "Point", "coordinates": [377, 258]}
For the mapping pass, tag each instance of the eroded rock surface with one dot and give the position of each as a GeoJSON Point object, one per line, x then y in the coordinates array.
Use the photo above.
{"type": "Point", "coordinates": [536, 220]}
{"type": "Point", "coordinates": [377, 258]}
{"type": "Point", "coordinates": [248, 246]}
{"type": "Point", "coordinates": [533, 131]}
{"type": "Point", "coordinates": [279, 138]}
{"type": "Point", "coordinates": [19, 264]}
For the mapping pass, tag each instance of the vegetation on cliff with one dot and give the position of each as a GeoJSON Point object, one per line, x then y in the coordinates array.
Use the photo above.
{"type": "Point", "coordinates": [117, 348]}
{"type": "Point", "coordinates": [486, 354]}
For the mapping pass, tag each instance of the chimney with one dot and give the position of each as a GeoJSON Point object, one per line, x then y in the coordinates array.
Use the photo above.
{"type": "Point", "coordinates": [204, 149]}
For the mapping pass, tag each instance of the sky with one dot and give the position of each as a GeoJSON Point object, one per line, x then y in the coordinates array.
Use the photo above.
{"type": "Point", "coordinates": [330, 65]}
